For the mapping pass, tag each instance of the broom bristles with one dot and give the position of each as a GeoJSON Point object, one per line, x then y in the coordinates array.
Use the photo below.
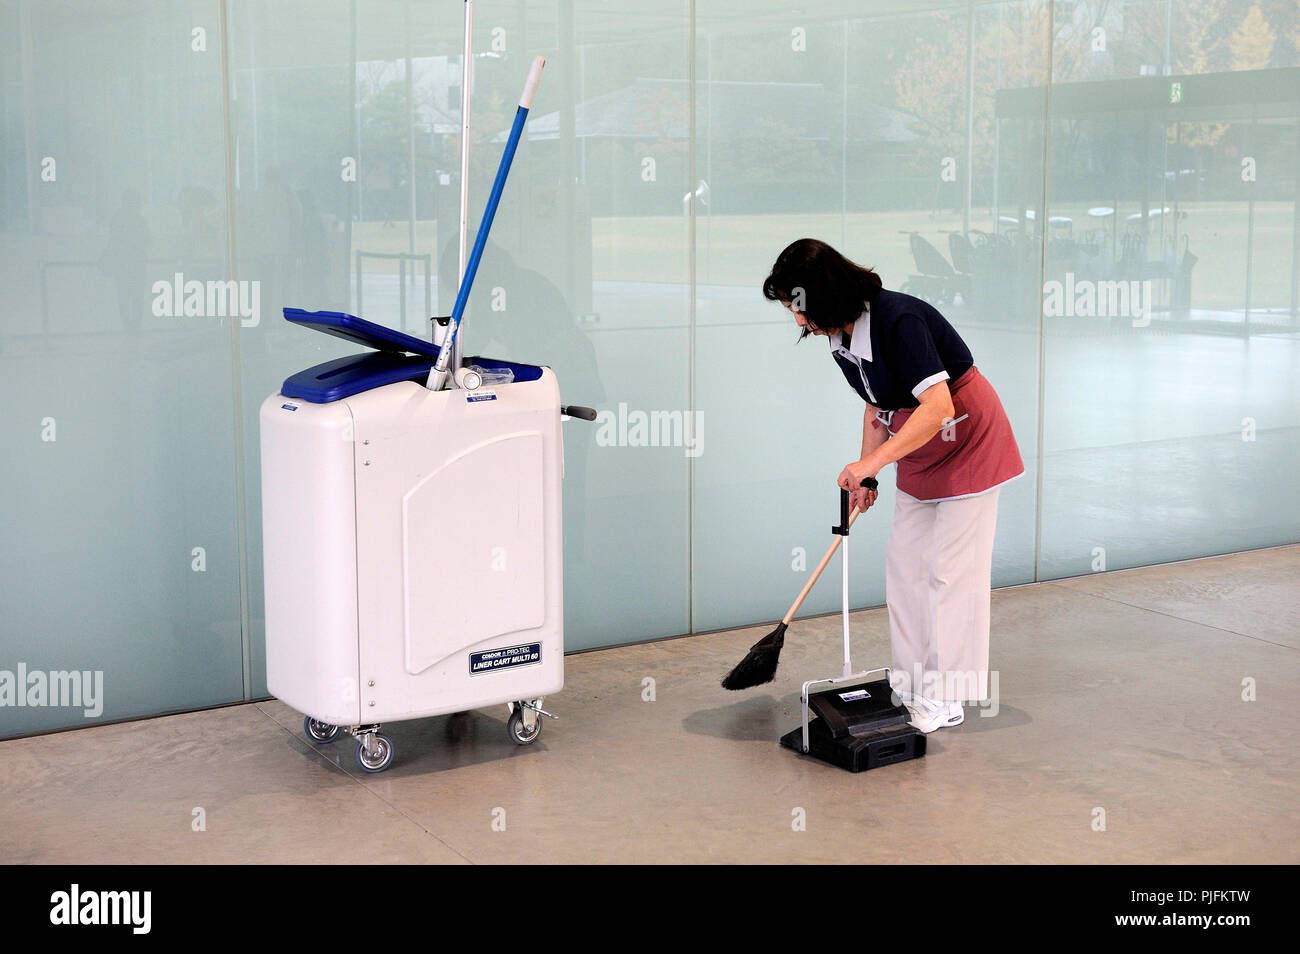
{"type": "Point", "coordinates": [759, 664]}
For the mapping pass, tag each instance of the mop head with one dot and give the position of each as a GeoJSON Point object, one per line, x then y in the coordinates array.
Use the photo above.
{"type": "Point", "coordinates": [759, 666]}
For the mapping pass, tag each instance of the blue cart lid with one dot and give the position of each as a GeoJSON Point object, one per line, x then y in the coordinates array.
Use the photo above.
{"type": "Point", "coordinates": [344, 377]}
{"type": "Point", "coordinates": [342, 325]}
{"type": "Point", "coordinates": [388, 364]}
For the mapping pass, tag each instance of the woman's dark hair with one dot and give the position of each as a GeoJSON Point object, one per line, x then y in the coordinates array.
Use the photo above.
{"type": "Point", "coordinates": [823, 285]}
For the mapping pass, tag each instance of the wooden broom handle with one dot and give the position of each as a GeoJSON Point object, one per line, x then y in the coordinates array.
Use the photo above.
{"type": "Point", "coordinates": [835, 544]}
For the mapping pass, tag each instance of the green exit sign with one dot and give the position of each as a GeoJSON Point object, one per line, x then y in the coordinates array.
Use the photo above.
{"type": "Point", "coordinates": [1175, 92]}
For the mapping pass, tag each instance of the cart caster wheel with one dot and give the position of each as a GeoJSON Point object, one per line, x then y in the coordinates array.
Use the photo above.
{"type": "Point", "coordinates": [519, 733]}
{"type": "Point", "coordinates": [320, 732]}
{"type": "Point", "coordinates": [380, 758]}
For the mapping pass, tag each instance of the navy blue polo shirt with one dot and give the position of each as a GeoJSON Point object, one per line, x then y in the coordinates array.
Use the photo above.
{"type": "Point", "coordinates": [898, 348]}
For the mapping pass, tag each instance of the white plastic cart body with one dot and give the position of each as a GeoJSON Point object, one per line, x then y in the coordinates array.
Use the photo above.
{"type": "Point", "coordinates": [413, 553]}
{"type": "Point", "coordinates": [411, 535]}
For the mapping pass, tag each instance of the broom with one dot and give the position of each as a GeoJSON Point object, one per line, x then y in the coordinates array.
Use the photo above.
{"type": "Point", "coordinates": [759, 666]}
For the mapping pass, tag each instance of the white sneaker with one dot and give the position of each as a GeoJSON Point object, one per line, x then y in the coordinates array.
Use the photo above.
{"type": "Point", "coordinates": [928, 715]}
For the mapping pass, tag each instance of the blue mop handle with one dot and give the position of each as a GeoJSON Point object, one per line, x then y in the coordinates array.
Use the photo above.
{"type": "Point", "coordinates": [438, 376]}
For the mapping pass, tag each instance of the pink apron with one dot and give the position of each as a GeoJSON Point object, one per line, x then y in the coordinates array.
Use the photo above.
{"type": "Point", "coordinates": [975, 453]}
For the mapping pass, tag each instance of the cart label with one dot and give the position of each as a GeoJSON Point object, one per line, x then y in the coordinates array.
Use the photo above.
{"type": "Point", "coordinates": [474, 397]}
{"type": "Point", "coordinates": [494, 660]}
{"type": "Point", "coordinates": [856, 695]}
{"type": "Point", "coordinates": [289, 407]}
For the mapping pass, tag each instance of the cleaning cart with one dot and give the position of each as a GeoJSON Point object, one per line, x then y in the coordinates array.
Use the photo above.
{"type": "Point", "coordinates": [411, 521]}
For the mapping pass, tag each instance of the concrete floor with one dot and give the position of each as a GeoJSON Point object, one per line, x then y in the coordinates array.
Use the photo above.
{"type": "Point", "coordinates": [1120, 691]}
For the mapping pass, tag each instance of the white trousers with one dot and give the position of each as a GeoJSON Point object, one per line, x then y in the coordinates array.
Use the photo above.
{"type": "Point", "coordinates": [938, 583]}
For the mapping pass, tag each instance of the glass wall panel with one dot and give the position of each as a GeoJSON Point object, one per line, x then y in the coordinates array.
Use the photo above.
{"type": "Point", "coordinates": [1101, 195]}
{"type": "Point", "coordinates": [1169, 303]}
{"type": "Point", "coordinates": [345, 116]}
{"type": "Point", "coordinates": [588, 272]}
{"type": "Point", "coordinates": [120, 556]}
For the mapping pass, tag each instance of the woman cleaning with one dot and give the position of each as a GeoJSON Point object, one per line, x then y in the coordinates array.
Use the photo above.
{"type": "Point", "coordinates": [930, 411]}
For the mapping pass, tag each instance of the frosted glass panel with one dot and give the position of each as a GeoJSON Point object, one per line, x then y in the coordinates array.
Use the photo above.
{"type": "Point", "coordinates": [120, 556]}
{"type": "Point", "coordinates": [1170, 296]}
{"type": "Point", "coordinates": [587, 272]}
{"type": "Point", "coordinates": [339, 208]}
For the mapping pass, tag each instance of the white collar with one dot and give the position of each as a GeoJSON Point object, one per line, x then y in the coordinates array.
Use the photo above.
{"type": "Point", "coordinates": [860, 340]}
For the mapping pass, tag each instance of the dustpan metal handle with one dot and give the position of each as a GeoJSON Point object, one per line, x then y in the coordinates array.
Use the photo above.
{"type": "Point", "coordinates": [844, 588]}
{"type": "Point", "coordinates": [842, 529]}
{"type": "Point", "coordinates": [869, 483]}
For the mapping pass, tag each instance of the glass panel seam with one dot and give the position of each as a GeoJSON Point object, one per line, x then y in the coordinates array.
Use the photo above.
{"type": "Point", "coordinates": [1042, 273]}
{"type": "Point", "coordinates": [692, 291]}
{"type": "Point", "coordinates": [237, 396]}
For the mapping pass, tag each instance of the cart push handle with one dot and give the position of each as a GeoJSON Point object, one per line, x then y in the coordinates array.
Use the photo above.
{"type": "Point", "coordinates": [578, 411]}
{"type": "Point", "coordinates": [843, 528]}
